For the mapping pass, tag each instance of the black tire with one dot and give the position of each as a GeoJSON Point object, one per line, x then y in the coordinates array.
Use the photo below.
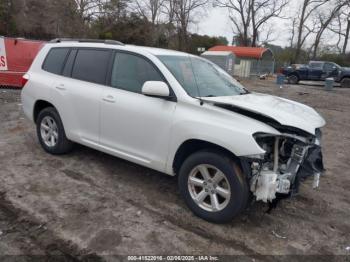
{"type": "Point", "coordinates": [237, 182]}
{"type": "Point", "coordinates": [293, 79]}
{"type": "Point", "coordinates": [345, 82]}
{"type": "Point", "coordinates": [63, 145]}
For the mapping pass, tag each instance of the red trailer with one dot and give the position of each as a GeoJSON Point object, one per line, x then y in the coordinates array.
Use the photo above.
{"type": "Point", "coordinates": [16, 57]}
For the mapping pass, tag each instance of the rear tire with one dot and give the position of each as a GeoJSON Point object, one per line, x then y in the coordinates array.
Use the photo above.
{"type": "Point", "coordinates": [345, 82]}
{"type": "Point", "coordinates": [51, 134]}
{"type": "Point", "coordinates": [222, 178]}
{"type": "Point", "coordinates": [293, 79]}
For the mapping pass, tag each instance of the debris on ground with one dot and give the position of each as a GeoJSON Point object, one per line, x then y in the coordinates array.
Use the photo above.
{"type": "Point", "coordinates": [278, 235]}
{"type": "Point", "coordinates": [263, 77]}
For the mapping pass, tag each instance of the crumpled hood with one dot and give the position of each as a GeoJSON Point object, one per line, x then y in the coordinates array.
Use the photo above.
{"type": "Point", "coordinates": [284, 111]}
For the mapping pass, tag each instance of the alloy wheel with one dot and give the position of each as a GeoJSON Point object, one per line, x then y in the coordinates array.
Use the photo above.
{"type": "Point", "coordinates": [293, 79]}
{"type": "Point", "coordinates": [49, 131]}
{"type": "Point", "coordinates": [209, 188]}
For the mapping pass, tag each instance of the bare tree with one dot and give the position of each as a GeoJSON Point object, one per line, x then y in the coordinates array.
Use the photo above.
{"type": "Point", "coordinates": [249, 16]}
{"type": "Point", "coordinates": [86, 9]}
{"type": "Point", "coordinates": [323, 19]}
{"type": "Point", "coordinates": [268, 35]}
{"type": "Point", "coordinates": [343, 18]}
{"type": "Point", "coordinates": [292, 32]}
{"type": "Point", "coordinates": [150, 9]}
{"type": "Point", "coordinates": [240, 12]}
{"type": "Point", "coordinates": [184, 11]}
{"type": "Point", "coordinates": [261, 12]}
{"type": "Point", "coordinates": [168, 11]}
{"type": "Point", "coordinates": [346, 35]}
{"type": "Point", "coordinates": [303, 30]}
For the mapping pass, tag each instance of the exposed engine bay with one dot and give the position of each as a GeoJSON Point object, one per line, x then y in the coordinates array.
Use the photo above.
{"type": "Point", "coordinates": [288, 160]}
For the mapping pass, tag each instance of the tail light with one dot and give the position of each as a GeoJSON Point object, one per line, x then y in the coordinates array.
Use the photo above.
{"type": "Point", "coordinates": [24, 80]}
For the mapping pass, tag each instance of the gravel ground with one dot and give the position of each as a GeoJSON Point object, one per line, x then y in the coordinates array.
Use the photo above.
{"type": "Point", "coordinates": [89, 204]}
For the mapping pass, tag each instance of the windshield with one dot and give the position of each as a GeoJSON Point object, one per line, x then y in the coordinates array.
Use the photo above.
{"type": "Point", "coordinates": [337, 66]}
{"type": "Point", "coordinates": [202, 78]}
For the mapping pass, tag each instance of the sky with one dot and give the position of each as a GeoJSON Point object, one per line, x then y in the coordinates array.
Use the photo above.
{"type": "Point", "coordinates": [217, 23]}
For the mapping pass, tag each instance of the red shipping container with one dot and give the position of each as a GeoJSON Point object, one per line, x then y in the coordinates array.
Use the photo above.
{"type": "Point", "coordinates": [20, 54]}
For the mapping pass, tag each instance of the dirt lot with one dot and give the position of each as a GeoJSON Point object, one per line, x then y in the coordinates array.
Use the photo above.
{"type": "Point", "coordinates": [91, 204]}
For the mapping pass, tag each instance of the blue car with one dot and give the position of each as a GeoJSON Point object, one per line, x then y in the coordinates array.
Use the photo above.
{"type": "Point", "coordinates": [317, 71]}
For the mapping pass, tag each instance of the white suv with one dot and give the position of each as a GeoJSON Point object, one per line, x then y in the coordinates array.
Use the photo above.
{"type": "Point", "coordinates": [175, 113]}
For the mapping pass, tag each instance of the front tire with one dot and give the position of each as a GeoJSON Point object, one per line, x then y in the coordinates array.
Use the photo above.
{"type": "Point", "coordinates": [213, 186]}
{"type": "Point", "coordinates": [345, 82]}
{"type": "Point", "coordinates": [293, 79]}
{"type": "Point", "coordinates": [51, 134]}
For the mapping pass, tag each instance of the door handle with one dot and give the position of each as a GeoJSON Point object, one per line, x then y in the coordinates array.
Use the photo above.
{"type": "Point", "coordinates": [109, 99]}
{"type": "Point", "coordinates": [61, 87]}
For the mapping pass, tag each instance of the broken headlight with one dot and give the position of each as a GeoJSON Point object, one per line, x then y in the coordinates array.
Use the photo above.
{"type": "Point", "coordinates": [277, 171]}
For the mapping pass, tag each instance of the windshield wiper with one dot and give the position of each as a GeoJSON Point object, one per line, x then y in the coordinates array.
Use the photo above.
{"type": "Point", "coordinates": [246, 92]}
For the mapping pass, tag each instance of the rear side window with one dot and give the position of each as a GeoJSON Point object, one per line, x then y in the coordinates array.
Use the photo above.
{"type": "Point", "coordinates": [67, 71]}
{"type": "Point", "coordinates": [91, 65]}
{"type": "Point", "coordinates": [55, 60]}
{"type": "Point", "coordinates": [316, 65]}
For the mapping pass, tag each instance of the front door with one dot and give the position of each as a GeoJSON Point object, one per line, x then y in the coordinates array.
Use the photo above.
{"type": "Point", "coordinates": [134, 126]}
{"type": "Point", "coordinates": [329, 70]}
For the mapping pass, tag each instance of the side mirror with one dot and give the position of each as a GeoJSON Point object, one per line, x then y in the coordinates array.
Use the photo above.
{"type": "Point", "coordinates": [156, 89]}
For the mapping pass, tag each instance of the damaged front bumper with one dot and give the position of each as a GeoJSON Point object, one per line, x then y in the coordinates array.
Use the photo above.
{"type": "Point", "coordinates": [288, 161]}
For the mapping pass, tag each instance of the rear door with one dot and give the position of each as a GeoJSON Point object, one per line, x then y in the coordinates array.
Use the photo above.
{"type": "Point", "coordinates": [315, 71]}
{"type": "Point", "coordinates": [134, 126]}
{"type": "Point", "coordinates": [78, 92]}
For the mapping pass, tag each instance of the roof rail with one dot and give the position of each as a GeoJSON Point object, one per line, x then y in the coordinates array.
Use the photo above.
{"type": "Point", "coordinates": [102, 41]}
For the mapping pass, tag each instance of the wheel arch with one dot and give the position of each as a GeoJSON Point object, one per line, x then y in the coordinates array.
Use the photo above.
{"type": "Point", "coordinates": [191, 146]}
{"type": "Point", "coordinates": [345, 78]}
{"type": "Point", "coordinates": [40, 105]}
{"type": "Point", "coordinates": [294, 74]}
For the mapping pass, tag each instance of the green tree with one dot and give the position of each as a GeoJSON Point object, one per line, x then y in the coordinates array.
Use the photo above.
{"type": "Point", "coordinates": [7, 23]}
{"type": "Point", "coordinates": [131, 29]}
{"type": "Point", "coordinates": [204, 41]}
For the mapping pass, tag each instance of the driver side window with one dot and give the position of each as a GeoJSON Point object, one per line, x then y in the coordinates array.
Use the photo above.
{"type": "Point", "coordinates": [328, 67]}
{"type": "Point", "coordinates": [130, 72]}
